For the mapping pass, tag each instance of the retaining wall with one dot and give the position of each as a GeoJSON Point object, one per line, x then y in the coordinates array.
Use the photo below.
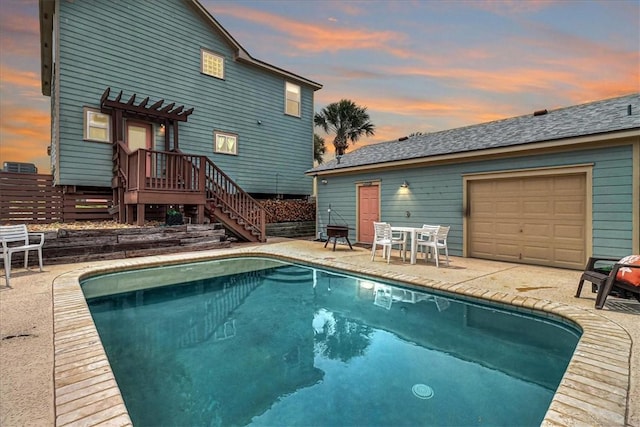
{"type": "Point", "coordinates": [70, 246]}
{"type": "Point", "coordinates": [292, 229]}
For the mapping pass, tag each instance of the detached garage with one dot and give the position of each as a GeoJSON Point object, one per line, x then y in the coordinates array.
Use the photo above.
{"type": "Point", "coordinates": [546, 189]}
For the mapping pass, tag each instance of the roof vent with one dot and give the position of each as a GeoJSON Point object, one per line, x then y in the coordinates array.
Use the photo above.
{"type": "Point", "coordinates": [540, 112]}
{"type": "Point", "coordinates": [629, 110]}
{"type": "Point", "coordinates": [404, 138]}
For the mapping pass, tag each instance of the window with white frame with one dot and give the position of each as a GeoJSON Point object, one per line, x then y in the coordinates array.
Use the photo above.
{"type": "Point", "coordinates": [293, 99]}
{"type": "Point", "coordinates": [225, 143]}
{"type": "Point", "coordinates": [97, 125]}
{"type": "Point", "coordinates": [212, 64]}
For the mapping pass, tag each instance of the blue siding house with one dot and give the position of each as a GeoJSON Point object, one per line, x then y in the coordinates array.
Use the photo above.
{"type": "Point", "coordinates": [157, 102]}
{"type": "Point", "coordinates": [550, 188]}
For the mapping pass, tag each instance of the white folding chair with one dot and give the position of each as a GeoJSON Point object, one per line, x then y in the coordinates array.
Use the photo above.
{"type": "Point", "coordinates": [386, 238]}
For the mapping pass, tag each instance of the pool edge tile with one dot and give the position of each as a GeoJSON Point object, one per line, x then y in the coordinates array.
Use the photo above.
{"type": "Point", "coordinates": [600, 335]}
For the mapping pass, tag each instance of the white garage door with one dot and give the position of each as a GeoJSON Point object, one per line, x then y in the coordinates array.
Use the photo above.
{"type": "Point", "coordinates": [532, 220]}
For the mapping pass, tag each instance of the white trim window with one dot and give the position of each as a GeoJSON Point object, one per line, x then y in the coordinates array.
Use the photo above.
{"type": "Point", "coordinates": [212, 64]}
{"type": "Point", "coordinates": [292, 94]}
{"type": "Point", "coordinates": [225, 143]}
{"type": "Point", "coordinates": [97, 125]}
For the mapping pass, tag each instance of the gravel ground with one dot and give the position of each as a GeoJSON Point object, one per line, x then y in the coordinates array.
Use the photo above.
{"type": "Point", "coordinates": [86, 225]}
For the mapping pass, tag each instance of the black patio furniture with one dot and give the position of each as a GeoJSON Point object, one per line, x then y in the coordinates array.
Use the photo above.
{"type": "Point", "coordinates": [336, 232]}
{"type": "Point", "coordinates": [602, 272]}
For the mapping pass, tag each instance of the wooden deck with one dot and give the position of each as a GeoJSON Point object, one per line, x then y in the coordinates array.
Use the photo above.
{"type": "Point", "coordinates": [148, 177]}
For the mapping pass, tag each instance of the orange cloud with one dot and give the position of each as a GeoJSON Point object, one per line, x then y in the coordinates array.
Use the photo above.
{"type": "Point", "coordinates": [15, 22]}
{"type": "Point", "coordinates": [19, 29]}
{"type": "Point", "coordinates": [615, 72]}
{"type": "Point", "coordinates": [19, 78]}
{"type": "Point", "coordinates": [24, 136]}
{"type": "Point", "coordinates": [504, 81]}
{"type": "Point", "coordinates": [313, 38]}
{"type": "Point", "coordinates": [595, 90]}
{"type": "Point", "coordinates": [457, 111]}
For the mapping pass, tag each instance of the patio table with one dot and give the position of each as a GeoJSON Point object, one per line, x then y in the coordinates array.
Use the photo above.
{"type": "Point", "coordinates": [413, 231]}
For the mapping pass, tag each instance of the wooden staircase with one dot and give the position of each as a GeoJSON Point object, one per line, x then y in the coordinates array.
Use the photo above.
{"type": "Point", "coordinates": [146, 177]}
{"type": "Point", "coordinates": [232, 206]}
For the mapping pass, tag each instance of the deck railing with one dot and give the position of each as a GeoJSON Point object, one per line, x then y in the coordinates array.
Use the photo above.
{"type": "Point", "coordinates": [165, 171]}
{"type": "Point", "coordinates": [144, 170]}
{"type": "Point", "coordinates": [226, 194]}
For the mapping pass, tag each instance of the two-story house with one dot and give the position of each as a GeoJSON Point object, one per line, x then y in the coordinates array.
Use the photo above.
{"type": "Point", "coordinates": [157, 102]}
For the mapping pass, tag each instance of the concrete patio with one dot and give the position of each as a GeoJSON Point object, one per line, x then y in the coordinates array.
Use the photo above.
{"type": "Point", "coordinates": [45, 380]}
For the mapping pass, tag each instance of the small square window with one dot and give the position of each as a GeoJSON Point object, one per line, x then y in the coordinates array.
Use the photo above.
{"type": "Point", "coordinates": [97, 125]}
{"type": "Point", "coordinates": [212, 64]}
{"type": "Point", "coordinates": [292, 99]}
{"type": "Point", "coordinates": [225, 143]}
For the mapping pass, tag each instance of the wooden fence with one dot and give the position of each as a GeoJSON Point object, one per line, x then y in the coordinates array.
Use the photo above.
{"type": "Point", "coordinates": [32, 199]}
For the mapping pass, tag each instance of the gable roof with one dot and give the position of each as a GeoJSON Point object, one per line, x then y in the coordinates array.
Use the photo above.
{"type": "Point", "coordinates": [243, 56]}
{"type": "Point", "coordinates": [595, 118]}
{"type": "Point", "coordinates": [46, 12]}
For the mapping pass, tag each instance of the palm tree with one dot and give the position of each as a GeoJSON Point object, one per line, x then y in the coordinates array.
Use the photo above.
{"type": "Point", "coordinates": [348, 121]}
{"type": "Point", "coordinates": [318, 148]}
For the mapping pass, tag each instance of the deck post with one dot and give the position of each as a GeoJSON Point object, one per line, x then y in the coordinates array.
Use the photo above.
{"type": "Point", "coordinates": [200, 218]}
{"type": "Point", "coordinates": [129, 214]}
{"type": "Point", "coordinates": [122, 216]}
{"type": "Point", "coordinates": [140, 214]}
{"type": "Point", "coordinates": [202, 178]}
{"type": "Point", "coordinates": [263, 225]}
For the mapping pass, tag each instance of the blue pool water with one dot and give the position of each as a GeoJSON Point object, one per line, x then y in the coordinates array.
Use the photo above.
{"type": "Point", "coordinates": [260, 342]}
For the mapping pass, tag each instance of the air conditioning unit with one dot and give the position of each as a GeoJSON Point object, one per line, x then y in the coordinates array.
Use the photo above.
{"type": "Point", "coordinates": [16, 167]}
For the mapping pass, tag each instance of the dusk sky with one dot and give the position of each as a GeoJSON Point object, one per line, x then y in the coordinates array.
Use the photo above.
{"type": "Point", "coordinates": [416, 65]}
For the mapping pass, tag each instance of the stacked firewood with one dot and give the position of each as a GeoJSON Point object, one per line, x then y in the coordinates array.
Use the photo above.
{"type": "Point", "coordinates": [289, 210]}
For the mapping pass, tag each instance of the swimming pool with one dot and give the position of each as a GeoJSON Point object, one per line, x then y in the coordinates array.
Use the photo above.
{"type": "Point", "coordinates": [318, 346]}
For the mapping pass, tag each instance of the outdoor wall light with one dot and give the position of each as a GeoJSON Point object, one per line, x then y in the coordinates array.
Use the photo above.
{"type": "Point", "coordinates": [404, 184]}
{"type": "Point", "coordinates": [324, 182]}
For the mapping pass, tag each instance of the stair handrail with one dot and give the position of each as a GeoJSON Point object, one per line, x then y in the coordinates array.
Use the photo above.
{"type": "Point", "coordinates": [122, 165]}
{"type": "Point", "coordinates": [231, 198]}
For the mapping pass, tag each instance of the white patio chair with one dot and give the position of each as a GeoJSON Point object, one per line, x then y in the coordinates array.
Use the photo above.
{"type": "Point", "coordinates": [424, 237]}
{"type": "Point", "coordinates": [434, 237]}
{"type": "Point", "coordinates": [387, 239]}
{"type": "Point", "coordinates": [16, 238]}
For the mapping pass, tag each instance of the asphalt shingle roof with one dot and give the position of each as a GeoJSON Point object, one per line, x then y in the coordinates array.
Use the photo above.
{"type": "Point", "coordinates": [609, 115]}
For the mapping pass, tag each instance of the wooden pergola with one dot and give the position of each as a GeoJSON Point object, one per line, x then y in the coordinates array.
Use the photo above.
{"type": "Point", "coordinates": [169, 115]}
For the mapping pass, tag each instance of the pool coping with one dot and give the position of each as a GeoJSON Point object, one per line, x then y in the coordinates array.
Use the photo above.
{"type": "Point", "coordinates": [591, 392]}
